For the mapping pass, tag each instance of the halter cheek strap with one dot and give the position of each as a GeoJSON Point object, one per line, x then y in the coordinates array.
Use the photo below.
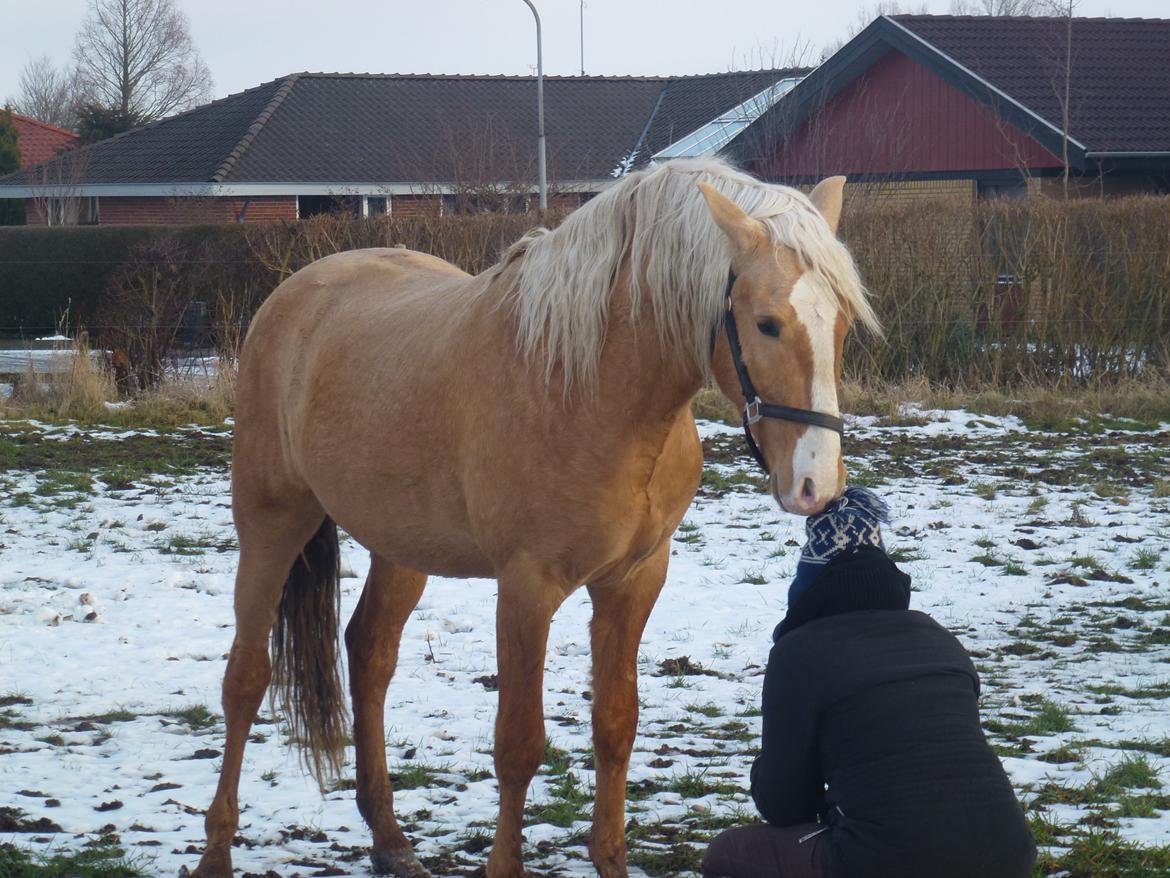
{"type": "Point", "coordinates": [754, 408]}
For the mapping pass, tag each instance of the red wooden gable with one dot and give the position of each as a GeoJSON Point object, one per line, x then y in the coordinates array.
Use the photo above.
{"type": "Point", "coordinates": [899, 118]}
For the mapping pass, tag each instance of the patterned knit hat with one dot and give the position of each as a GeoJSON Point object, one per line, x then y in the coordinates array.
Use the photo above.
{"type": "Point", "coordinates": [851, 521]}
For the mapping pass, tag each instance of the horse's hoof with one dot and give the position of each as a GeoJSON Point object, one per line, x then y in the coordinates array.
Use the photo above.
{"type": "Point", "coordinates": [212, 864]}
{"type": "Point", "coordinates": [499, 868]}
{"type": "Point", "coordinates": [611, 868]}
{"type": "Point", "coordinates": [400, 864]}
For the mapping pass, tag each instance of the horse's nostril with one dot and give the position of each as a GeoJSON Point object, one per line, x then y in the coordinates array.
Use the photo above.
{"type": "Point", "coordinates": [808, 490]}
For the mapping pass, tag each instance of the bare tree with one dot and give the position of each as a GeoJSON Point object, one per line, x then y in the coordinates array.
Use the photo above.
{"type": "Point", "coordinates": [56, 190]}
{"type": "Point", "coordinates": [867, 14]}
{"type": "Point", "coordinates": [47, 93]}
{"type": "Point", "coordinates": [1062, 85]}
{"type": "Point", "coordinates": [137, 56]}
{"type": "Point", "coordinates": [998, 7]}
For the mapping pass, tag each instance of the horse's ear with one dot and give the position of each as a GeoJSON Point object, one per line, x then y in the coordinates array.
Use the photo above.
{"type": "Point", "coordinates": [826, 197]}
{"type": "Point", "coordinates": [744, 232]}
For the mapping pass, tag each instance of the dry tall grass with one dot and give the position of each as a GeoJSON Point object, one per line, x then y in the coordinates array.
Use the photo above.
{"type": "Point", "coordinates": [77, 388]}
{"type": "Point", "coordinates": [81, 387]}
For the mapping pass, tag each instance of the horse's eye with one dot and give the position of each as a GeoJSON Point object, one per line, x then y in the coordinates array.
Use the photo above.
{"type": "Point", "coordinates": [769, 327]}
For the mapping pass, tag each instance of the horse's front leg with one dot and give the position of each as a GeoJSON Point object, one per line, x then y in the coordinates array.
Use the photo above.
{"type": "Point", "coordinates": [620, 611]}
{"type": "Point", "coordinates": [528, 597]}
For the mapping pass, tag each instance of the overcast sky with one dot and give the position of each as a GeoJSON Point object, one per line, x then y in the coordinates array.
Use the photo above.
{"type": "Point", "coordinates": [246, 42]}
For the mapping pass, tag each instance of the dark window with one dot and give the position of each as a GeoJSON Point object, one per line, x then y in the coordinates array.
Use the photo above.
{"type": "Point", "coordinates": [314, 205]}
{"type": "Point", "coordinates": [377, 205]}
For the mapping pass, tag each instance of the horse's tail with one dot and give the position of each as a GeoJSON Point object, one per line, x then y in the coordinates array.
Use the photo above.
{"type": "Point", "coordinates": [306, 675]}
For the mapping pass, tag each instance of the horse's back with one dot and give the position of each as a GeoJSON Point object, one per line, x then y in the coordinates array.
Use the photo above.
{"type": "Point", "coordinates": [375, 276]}
{"type": "Point", "coordinates": [340, 381]}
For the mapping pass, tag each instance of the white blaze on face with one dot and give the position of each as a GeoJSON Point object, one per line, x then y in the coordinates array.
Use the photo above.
{"type": "Point", "coordinates": [818, 450]}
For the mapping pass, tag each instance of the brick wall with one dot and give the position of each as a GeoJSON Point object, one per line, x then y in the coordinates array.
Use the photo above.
{"type": "Point", "coordinates": [416, 205]}
{"type": "Point", "coordinates": [124, 211]}
{"type": "Point", "coordinates": [150, 211]}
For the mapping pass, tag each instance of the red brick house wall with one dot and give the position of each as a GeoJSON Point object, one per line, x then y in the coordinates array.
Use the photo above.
{"type": "Point", "coordinates": [129, 211]}
{"type": "Point", "coordinates": [416, 205]}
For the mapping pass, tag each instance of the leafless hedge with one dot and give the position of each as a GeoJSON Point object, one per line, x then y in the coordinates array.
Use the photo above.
{"type": "Point", "coordinates": [996, 293]}
{"type": "Point", "coordinates": [1007, 292]}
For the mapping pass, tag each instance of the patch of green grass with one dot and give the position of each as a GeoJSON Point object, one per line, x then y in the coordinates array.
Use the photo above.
{"type": "Point", "coordinates": [1146, 559]}
{"type": "Point", "coordinates": [53, 482]}
{"type": "Point", "coordinates": [708, 710]}
{"type": "Point", "coordinates": [1140, 806]}
{"type": "Point", "coordinates": [555, 761]}
{"type": "Point", "coordinates": [988, 559]}
{"type": "Point", "coordinates": [1158, 747]}
{"type": "Point", "coordinates": [415, 775]}
{"type": "Point", "coordinates": [754, 577]}
{"type": "Point", "coordinates": [718, 482]}
{"type": "Point", "coordinates": [474, 841]}
{"type": "Point", "coordinates": [1037, 505]}
{"type": "Point", "coordinates": [181, 544]}
{"type": "Point", "coordinates": [100, 859]}
{"type": "Point", "coordinates": [900, 554]}
{"type": "Point", "coordinates": [1101, 853]}
{"type": "Point", "coordinates": [1133, 771]}
{"type": "Point", "coordinates": [130, 458]}
{"type": "Point", "coordinates": [1109, 490]}
{"type": "Point", "coordinates": [1049, 719]}
{"type": "Point", "coordinates": [675, 860]}
{"type": "Point", "coordinates": [118, 715]}
{"type": "Point", "coordinates": [1013, 568]}
{"type": "Point", "coordinates": [197, 716]}
{"type": "Point", "coordinates": [570, 801]}
{"type": "Point", "coordinates": [695, 784]}
{"type": "Point", "coordinates": [1062, 755]}
{"type": "Point", "coordinates": [1156, 690]}
{"type": "Point", "coordinates": [984, 490]}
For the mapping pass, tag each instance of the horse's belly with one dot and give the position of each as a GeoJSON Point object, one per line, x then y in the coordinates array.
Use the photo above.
{"type": "Point", "coordinates": [417, 522]}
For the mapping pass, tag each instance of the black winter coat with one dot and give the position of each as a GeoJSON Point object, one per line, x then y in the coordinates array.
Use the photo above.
{"type": "Point", "coordinates": [871, 725]}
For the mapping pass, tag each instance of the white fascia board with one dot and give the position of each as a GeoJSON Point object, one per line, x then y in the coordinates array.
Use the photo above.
{"type": "Point", "coordinates": [998, 91]}
{"type": "Point", "coordinates": [221, 190]}
{"type": "Point", "coordinates": [1131, 154]}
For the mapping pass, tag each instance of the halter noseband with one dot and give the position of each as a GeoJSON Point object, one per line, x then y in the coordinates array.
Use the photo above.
{"type": "Point", "coordinates": [755, 408]}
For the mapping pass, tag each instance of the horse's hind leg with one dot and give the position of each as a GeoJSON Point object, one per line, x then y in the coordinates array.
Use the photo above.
{"type": "Point", "coordinates": [266, 556]}
{"type": "Point", "coordinates": [372, 639]}
{"type": "Point", "coordinates": [620, 611]}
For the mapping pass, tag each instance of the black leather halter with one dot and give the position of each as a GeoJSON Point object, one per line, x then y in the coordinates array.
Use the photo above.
{"type": "Point", "coordinates": [755, 408]}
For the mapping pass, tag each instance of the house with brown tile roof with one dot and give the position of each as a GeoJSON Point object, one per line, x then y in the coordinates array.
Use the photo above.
{"type": "Point", "coordinates": [312, 142]}
{"type": "Point", "coordinates": [980, 105]}
{"type": "Point", "coordinates": [39, 141]}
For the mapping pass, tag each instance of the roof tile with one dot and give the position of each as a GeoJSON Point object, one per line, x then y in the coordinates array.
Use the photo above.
{"type": "Point", "coordinates": [371, 128]}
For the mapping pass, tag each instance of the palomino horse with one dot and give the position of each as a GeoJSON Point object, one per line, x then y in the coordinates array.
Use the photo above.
{"type": "Point", "coordinates": [530, 424]}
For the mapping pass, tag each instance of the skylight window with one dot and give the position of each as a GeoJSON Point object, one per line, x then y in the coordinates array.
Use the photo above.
{"type": "Point", "coordinates": [717, 133]}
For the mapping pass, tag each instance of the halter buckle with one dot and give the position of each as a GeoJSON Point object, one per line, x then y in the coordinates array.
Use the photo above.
{"type": "Point", "coordinates": [751, 411]}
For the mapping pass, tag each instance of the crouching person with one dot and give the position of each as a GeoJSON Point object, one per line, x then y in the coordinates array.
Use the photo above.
{"type": "Point", "coordinates": [873, 762]}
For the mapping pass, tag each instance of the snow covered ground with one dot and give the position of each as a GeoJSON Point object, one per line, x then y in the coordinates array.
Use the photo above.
{"type": "Point", "coordinates": [1046, 553]}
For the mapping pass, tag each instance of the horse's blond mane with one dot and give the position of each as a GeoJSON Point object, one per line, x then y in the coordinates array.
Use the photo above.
{"type": "Point", "coordinates": [659, 217]}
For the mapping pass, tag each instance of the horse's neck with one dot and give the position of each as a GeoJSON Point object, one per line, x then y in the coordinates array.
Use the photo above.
{"type": "Point", "coordinates": [638, 374]}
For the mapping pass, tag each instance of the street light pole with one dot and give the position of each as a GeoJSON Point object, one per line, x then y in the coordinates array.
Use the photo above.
{"type": "Point", "coordinates": [540, 112]}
